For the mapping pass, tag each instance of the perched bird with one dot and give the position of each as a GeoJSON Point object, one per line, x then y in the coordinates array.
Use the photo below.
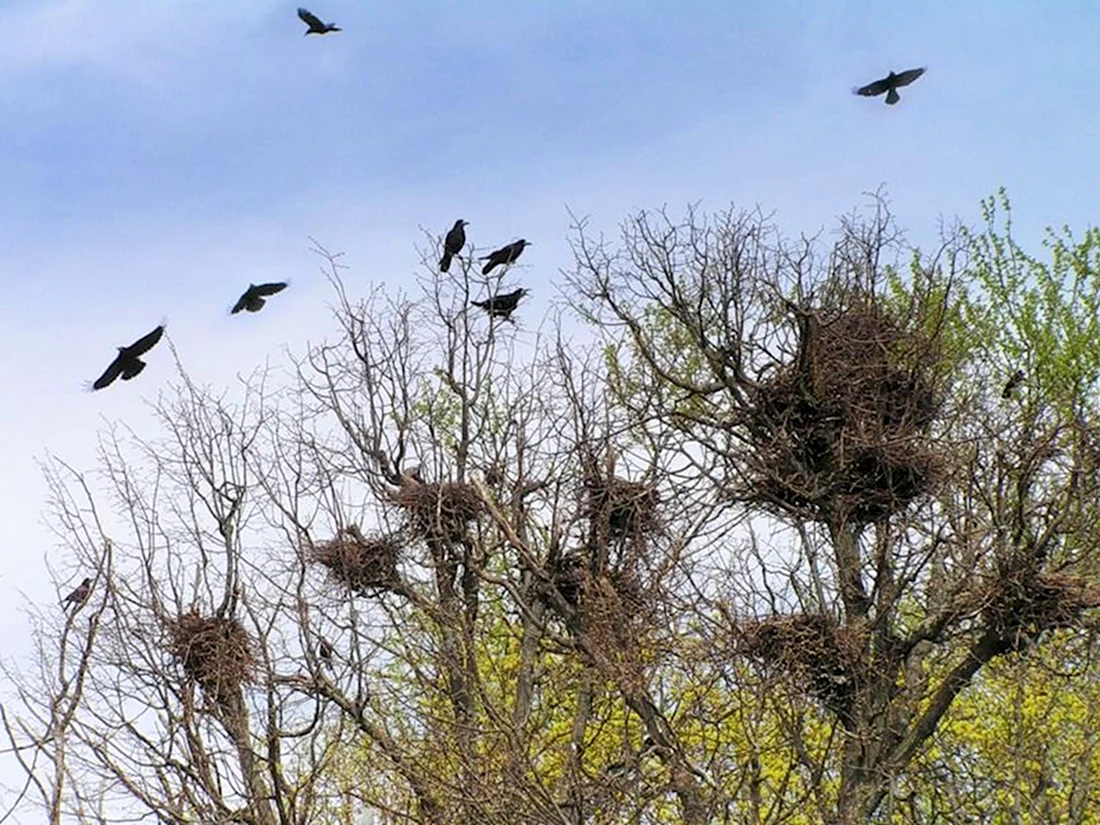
{"type": "Point", "coordinates": [453, 243]}
{"type": "Point", "coordinates": [505, 255]}
{"type": "Point", "coordinates": [325, 651]}
{"type": "Point", "coordinates": [1016, 380]}
{"type": "Point", "coordinates": [78, 596]}
{"type": "Point", "coordinates": [253, 297]}
{"type": "Point", "coordinates": [890, 84]}
{"type": "Point", "coordinates": [316, 25]}
{"type": "Point", "coordinates": [128, 363]}
{"type": "Point", "coordinates": [501, 306]}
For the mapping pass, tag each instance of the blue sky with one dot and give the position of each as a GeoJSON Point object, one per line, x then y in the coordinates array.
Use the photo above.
{"type": "Point", "coordinates": [156, 157]}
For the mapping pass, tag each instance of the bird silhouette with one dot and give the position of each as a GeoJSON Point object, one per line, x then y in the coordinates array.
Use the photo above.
{"type": "Point", "coordinates": [79, 595]}
{"type": "Point", "coordinates": [1010, 386]}
{"type": "Point", "coordinates": [253, 297]}
{"type": "Point", "coordinates": [316, 25]}
{"type": "Point", "coordinates": [501, 306]}
{"type": "Point", "coordinates": [453, 243]}
{"type": "Point", "coordinates": [325, 652]}
{"type": "Point", "coordinates": [890, 84]}
{"type": "Point", "coordinates": [128, 363]}
{"type": "Point", "coordinates": [505, 255]}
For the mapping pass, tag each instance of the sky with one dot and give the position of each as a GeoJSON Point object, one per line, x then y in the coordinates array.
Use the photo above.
{"type": "Point", "coordinates": [157, 157]}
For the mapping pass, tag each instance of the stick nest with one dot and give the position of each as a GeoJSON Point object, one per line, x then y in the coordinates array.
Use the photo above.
{"type": "Point", "coordinates": [1018, 608]}
{"type": "Point", "coordinates": [621, 508]}
{"type": "Point", "coordinates": [363, 565]}
{"type": "Point", "coordinates": [812, 650]}
{"type": "Point", "coordinates": [216, 652]}
{"type": "Point", "coordinates": [842, 431]}
{"type": "Point", "coordinates": [439, 512]}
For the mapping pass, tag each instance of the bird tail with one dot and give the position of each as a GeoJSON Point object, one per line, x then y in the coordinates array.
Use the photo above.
{"type": "Point", "coordinates": [445, 262]}
{"type": "Point", "coordinates": [892, 97]}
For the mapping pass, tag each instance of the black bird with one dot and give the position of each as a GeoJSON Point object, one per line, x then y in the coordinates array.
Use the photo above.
{"type": "Point", "coordinates": [453, 243]}
{"type": "Point", "coordinates": [501, 306]}
{"type": "Point", "coordinates": [78, 596]}
{"type": "Point", "coordinates": [253, 297]}
{"type": "Point", "coordinates": [325, 651]}
{"type": "Point", "coordinates": [1016, 380]}
{"type": "Point", "coordinates": [128, 363]}
{"type": "Point", "coordinates": [316, 25]}
{"type": "Point", "coordinates": [505, 255]}
{"type": "Point", "coordinates": [890, 84]}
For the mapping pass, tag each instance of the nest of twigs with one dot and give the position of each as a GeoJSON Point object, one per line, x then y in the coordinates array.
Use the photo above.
{"type": "Point", "coordinates": [843, 429]}
{"type": "Point", "coordinates": [621, 508]}
{"type": "Point", "coordinates": [1019, 608]}
{"type": "Point", "coordinates": [439, 512]}
{"type": "Point", "coordinates": [812, 650]}
{"type": "Point", "coordinates": [610, 601]}
{"type": "Point", "coordinates": [361, 564]}
{"type": "Point", "coordinates": [215, 651]}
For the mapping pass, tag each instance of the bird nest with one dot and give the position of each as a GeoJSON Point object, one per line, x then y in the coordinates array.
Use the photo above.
{"type": "Point", "coordinates": [361, 564]}
{"type": "Point", "coordinates": [842, 431]}
{"type": "Point", "coordinates": [215, 651]}
{"type": "Point", "coordinates": [439, 512]}
{"type": "Point", "coordinates": [1018, 608]}
{"type": "Point", "coordinates": [812, 650]}
{"type": "Point", "coordinates": [615, 597]}
{"type": "Point", "coordinates": [621, 508]}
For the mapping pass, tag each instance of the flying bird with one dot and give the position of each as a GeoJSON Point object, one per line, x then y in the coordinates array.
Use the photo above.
{"type": "Point", "coordinates": [253, 297]}
{"type": "Point", "coordinates": [501, 306]}
{"type": "Point", "coordinates": [505, 255]}
{"type": "Point", "coordinates": [128, 362]}
{"type": "Point", "coordinates": [1010, 386]}
{"type": "Point", "coordinates": [890, 84]}
{"type": "Point", "coordinates": [315, 23]}
{"type": "Point", "coordinates": [453, 243]}
{"type": "Point", "coordinates": [78, 596]}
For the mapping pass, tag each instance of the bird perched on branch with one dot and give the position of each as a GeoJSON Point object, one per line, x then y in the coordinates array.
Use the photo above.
{"type": "Point", "coordinates": [1010, 386]}
{"type": "Point", "coordinates": [505, 255]}
{"type": "Point", "coordinates": [453, 243]}
{"type": "Point", "coordinates": [128, 363]}
{"type": "Point", "coordinates": [79, 595]}
{"type": "Point", "coordinates": [890, 84]}
{"type": "Point", "coordinates": [253, 297]}
{"type": "Point", "coordinates": [501, 306]}
{"type": "Point", "coordinates": [325, 651]}
{"type": "Point", "coordinates": [316, 25]}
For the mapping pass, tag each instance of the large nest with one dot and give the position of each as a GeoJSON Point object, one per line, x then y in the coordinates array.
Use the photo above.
{"type": "Point", "coordinates": [1018, 608]}
{"type": "Point", "coordinates": [621, 508]}
{"type": "Point", "coordinates": [439, 512]}
{"type": "Point", "coordinates": [842, 431]}
{"type": "Point", "coordinates": [605, 602]}
{"type": "Point", "coordinates": [214, 651]}
{"type": "Point", "coordinates": [812, 650]}
{"type": "Point", "coordinates": [364, 565]}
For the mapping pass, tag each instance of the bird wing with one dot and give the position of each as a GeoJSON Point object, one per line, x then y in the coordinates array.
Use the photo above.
{"type": "Point", "coordinates": [112, 372]}
{"type": "Point", "coordinates": [872, 89]}
{"type": "Point", "coordinates": [908, 76]}
{"type": "Point", "coordinates": [242, 302]}
{"type": "Point", "coordinates": [310, 19]}
{"type": "Point", "coordinates": [264, 290]}
{"type": "Point", "coordinates": [146, 342]}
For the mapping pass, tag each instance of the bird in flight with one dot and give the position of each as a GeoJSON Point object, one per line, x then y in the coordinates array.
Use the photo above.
{"type": "Point", "coordinates": [505, 255]}
{"type": "Point", "coordinates": [890, 84]}
{"type": "Point", "coordinates": [501, 306]}
{"type": "Point", "coordinates": [315, 23]}
{"type": "Point", "coordinates": [1010, 386]}
{"type": "Point", "coordinates": [453, 243]}
{"type": "Point", "coordinates": [253, 297]}
{"type": "Point", "coordinates": [128, 362]}
{"type": "Point", "coordinates": [79, 595]}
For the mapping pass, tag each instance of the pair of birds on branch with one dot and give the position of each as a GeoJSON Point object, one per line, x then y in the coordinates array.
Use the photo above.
{"type": "Point", "coordinates": [128, 363]}
{"type": "Point", "coordinates": [498, 306]}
